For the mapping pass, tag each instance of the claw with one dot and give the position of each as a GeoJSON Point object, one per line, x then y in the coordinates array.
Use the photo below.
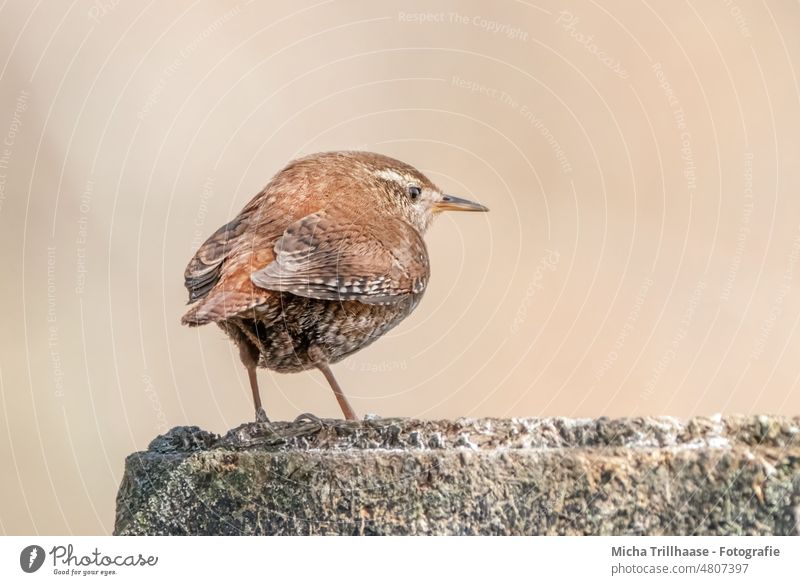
{"type": "Point", "coordinates": [261, 416]}
{"type": "Point", "coordinates": [307, 416]}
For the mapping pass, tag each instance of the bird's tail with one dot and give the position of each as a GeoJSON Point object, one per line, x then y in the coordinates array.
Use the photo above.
{"type": "Point", "coordinates": [226, 304]}
{"type": "Point", "coordinates": [194, 317]}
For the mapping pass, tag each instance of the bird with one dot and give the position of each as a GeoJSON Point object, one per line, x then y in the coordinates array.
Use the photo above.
{"type": "Point", "coordinates": [323, 261]}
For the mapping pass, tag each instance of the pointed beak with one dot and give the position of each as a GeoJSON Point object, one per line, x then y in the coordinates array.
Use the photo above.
{"type": "Point", "coordinates": [453, 203]}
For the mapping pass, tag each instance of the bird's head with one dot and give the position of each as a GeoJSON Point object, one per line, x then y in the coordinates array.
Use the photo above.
{"type": "Point", "coordinates": [394, 186]}
{"type": "Point", "coordinates": [411, 193]}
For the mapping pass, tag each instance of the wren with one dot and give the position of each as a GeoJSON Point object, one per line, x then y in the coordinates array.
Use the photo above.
{"type": "Point", "coordinates": [327, 258]}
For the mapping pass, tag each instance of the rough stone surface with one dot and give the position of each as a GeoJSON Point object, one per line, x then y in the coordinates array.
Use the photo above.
{"type": "Point", "coordinates": [732, 475]}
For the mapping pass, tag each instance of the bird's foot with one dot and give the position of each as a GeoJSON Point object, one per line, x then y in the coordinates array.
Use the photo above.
{"type": "Point", "coordinates": [307, 424]}
{"type": "Point", "coordinates": [307, 416]}
{"type": "Point", "coordinates": [261, 416]}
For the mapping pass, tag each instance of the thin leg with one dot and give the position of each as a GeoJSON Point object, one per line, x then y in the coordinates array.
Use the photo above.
{"type": "Point", "coordinates": [347, 410]}
{"type": "Point", "coordinates": [251, 362]}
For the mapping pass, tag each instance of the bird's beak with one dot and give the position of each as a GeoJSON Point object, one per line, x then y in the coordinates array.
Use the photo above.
{"type": "Point", "coordinates": [453, 203]}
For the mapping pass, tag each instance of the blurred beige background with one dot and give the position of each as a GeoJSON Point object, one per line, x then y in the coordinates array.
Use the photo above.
{"type": "Point", "coordinates": [641, 256]}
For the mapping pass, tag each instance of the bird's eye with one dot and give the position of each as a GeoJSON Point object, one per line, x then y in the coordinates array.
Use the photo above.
{"type": "Point", "coordinates": [414, 192]}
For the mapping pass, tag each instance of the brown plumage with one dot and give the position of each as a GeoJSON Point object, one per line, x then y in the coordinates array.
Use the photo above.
{"type": "Point", "coordinates": [324, 260]}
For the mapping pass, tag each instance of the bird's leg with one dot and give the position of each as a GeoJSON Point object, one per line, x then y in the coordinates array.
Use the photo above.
{"type": "Point", "coordinates": [261, 414]}
{"type": "Point", "coordinates": [318, 357]}
{"type": "Point", "coordinates": [347, 410]}
{"type": "Point", "coordinates": [250, 362]}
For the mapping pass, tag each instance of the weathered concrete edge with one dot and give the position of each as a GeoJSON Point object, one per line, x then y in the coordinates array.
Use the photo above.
{"type": "Point", "coordinates": [491, 433]}
{"type": "Point", "coordinates": [761, 483]}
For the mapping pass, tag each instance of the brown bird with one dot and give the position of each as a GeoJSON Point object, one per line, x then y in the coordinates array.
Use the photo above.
{"type": "Point", "coordinates": [324, 260]}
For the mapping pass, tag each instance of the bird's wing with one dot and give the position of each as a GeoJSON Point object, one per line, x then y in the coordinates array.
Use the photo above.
{"type": "Point", "coordinates": [323, 256]}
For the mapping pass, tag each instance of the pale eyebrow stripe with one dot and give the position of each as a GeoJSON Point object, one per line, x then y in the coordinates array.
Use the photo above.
{"type": "Point", "coordinates": [391, 175]}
